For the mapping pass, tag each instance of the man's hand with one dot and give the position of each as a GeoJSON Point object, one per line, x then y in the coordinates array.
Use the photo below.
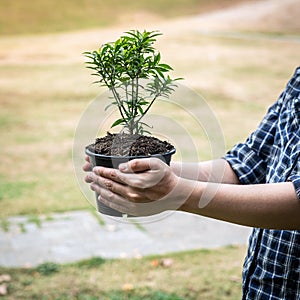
{"type": "Point", "coordinates": [139, 187]}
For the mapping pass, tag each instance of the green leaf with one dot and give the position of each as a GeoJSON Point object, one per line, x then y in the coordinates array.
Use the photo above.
{"type": "Point", "coordinates": [156, 59]}
{"type": "Point", "coordinates": [140, 110]}
{"type": "Point", "coordinates": [165, 66]}
{"type": "Point", "coordinates": [143, 102]}
{"type": "Point", "coordinates": [118, 122]}
{"type": "Point", "coordinates": [109, 105]}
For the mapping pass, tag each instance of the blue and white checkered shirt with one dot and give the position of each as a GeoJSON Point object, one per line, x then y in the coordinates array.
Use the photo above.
{"type": "Point", "coordinates": [270, 155]}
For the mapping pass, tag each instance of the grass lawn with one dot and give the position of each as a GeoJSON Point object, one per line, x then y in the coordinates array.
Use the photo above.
{"type": "Point", "coordinates": [201, 274]}
{"type": "Point", "coordinates": [23, 17]}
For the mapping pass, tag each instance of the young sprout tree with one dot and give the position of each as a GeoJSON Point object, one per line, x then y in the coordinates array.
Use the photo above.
{"type": "Point", "coordinates": [132, 70]}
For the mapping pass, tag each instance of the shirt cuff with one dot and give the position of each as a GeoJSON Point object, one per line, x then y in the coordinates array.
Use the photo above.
{"type": "Point", "coordinates": [247, 165]}
{"type": "Point", "coordinates": [295, 179]}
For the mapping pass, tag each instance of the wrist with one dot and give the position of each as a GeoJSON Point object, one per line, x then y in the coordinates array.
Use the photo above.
{"type": "Point", "coordinates": [191, 192]}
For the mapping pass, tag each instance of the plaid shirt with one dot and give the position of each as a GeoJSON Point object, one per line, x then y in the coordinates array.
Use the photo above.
{"type": "Point", "coordinates": [270, 155]}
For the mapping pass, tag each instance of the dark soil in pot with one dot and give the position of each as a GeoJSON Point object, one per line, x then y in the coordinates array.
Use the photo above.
{"type": "Point", "coordinates": [114, 149]}
{"type": "Point", "coordinates": [129, 145]}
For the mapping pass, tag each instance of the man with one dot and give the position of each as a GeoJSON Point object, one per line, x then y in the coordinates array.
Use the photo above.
{"type": "Point", "coordinates": [256, 184]}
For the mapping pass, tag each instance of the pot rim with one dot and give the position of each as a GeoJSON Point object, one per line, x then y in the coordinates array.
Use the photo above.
{"type": "Point", "coordinates": [90, 153]}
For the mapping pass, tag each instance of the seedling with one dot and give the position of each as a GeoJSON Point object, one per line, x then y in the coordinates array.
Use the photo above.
{"type": "Point", "coordinates": [132, 70]}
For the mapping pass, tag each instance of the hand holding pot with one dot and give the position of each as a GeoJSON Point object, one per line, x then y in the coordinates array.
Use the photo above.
{"type": "Point", "coordinates": [139, 187]}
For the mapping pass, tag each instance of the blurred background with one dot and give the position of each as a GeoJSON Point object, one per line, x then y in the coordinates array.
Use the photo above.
{"type": "Point", "coordinates": [237, 54]}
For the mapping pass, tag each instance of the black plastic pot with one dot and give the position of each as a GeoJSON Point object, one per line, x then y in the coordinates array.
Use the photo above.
{"type": "Point", "coordinates": [114, 162]}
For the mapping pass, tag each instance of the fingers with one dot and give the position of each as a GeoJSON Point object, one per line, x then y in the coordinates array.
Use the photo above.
{"type": "Point", "coordinates": [88, 179]}
{"type": "Point", "coordinates": [129, 193]}
{"type": "Point", "coordinates": [131, 167]}
{"type": "Point", "coordinates": [134, 184]}
{"type": "Point", "coordinates": [140, 165]}
{"type": "Point", "coordinates": [137, 194]}
{"type": "Point", "coordinates": [112, 174]}
{"type": "Point", "coordinates": [124, 190]}
{"type": "Point", "coordinates": [98, 182]}
{"type": "Point", "coordinates": [111, 199]}
{"type": "Point", "coordinates": [124, 206]}
{"type": "Point", "coordinates": [87, 167]}
{"type": "Point", "coordinates": [135, 180]}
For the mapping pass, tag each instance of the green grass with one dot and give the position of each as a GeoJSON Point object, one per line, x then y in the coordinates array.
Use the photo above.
{"type": "Point", "coordinates": [193, 275]}
{"type": "Point", "coordinates": [14, 190]}
{"type": "Point", "coordinates": [23, 17]}
{"type": "Point", "coordinates": [4, 224]}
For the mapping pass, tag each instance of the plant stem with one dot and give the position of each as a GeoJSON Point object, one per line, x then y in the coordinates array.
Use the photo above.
{"type": "Point", "coordinates": [120, 104]}
{"type": "Point", "coordinates": [132, 107]}
{"type": "Point", "coordinates": [136, 102]}
{"type": "Point", "coordinates": [113, 89]}
{"type": "Point", "coordinates": [149, 106]}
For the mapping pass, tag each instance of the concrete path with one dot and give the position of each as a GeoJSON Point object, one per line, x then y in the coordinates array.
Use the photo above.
{"type": "Point", "coordinates": [73, 236]}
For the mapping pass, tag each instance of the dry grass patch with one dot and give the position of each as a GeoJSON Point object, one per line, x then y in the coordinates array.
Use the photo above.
{"type": "Point", "coordinates": [18, 17]}
{"type": "Point", "coordinates": [193, 275]}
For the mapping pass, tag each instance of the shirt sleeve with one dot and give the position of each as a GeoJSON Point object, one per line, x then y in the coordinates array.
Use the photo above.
{"type": "Point", "coordinates": [295, 179]}
{"type": "Point", "coordinates": [249, 160]}
{"type": "Point", "coordinates": [246, 164]}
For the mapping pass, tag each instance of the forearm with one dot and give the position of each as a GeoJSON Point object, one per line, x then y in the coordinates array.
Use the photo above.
{"type": "Point", "coordinates": [218, 170]}
{"type": "Point", "coordinates": [273, 206]}
{"type": "Point", "coordinates": [149, 183]}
